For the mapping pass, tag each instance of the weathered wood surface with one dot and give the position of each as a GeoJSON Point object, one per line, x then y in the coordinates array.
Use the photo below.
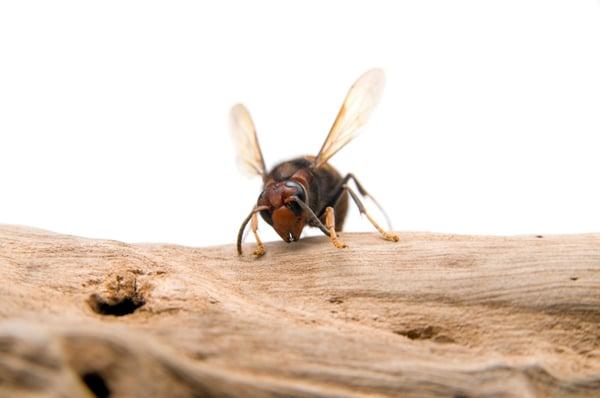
{"type": "Point", "coordinates": [432, 315]}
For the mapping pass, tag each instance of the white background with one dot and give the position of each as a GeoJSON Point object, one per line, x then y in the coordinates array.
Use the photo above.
{"type": "Point", "coordinates": [113, 115]}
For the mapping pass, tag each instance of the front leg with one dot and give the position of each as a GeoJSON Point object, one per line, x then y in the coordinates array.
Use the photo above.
{"type": "Point", "coordinates": [328, 229]}
{"type": "Point", "coordinates": [260, 247]}
{"type": "Point", "coordinates": [330, 224]}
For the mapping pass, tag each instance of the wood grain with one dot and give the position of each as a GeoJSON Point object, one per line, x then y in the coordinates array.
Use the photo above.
{"type": "Point", "coordinates": [431, 315]}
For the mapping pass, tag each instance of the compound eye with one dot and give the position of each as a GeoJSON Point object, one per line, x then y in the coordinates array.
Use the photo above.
{"type": "Point", "coordinates": [299, 189]}
{"type": "Point", "coordinates": [266, 215]}
{"type": "Point", "coordinates": [262, 199]}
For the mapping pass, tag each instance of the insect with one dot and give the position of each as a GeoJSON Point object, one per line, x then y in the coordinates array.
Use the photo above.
{"type": "Point", "coordinates": [308, 190]}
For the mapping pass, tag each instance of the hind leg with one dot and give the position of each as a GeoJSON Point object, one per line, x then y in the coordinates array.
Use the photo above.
{"type": "Point", "coordinates": [345, 188]}
{"type": "Point", "coordinates": [339, 191]}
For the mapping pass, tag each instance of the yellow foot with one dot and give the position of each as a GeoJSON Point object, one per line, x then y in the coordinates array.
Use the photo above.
{"type": "Point", "coordinates": [386, 235]}
{"type": "Point", "coordinates": [390, 236]}
{"type": "Point", "coordinates": [259, 251]}
{"type": "Point", "coordinates": [338, 243]}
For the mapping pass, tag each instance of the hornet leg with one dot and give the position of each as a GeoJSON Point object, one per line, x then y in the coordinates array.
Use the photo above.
{"type": "Point", "coordinates": [260, 248]}
{"type": "Point", "coordinates": [330, 224]}
{"type": "Point", "coordinates": [311, 214]}
{"type": "Point", "coordinates": [345, 188]}
{"type": "Point", "coordinates": [339, 190]}
{"type": "Point", "coordinates": [329, 227]}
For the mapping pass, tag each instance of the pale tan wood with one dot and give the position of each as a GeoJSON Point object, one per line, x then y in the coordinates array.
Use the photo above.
{"type": "Point", "coordinates": [431, 315]}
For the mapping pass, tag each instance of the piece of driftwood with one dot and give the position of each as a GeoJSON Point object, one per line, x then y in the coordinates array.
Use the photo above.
{"type": "Point", "coordinates": [431, 315]}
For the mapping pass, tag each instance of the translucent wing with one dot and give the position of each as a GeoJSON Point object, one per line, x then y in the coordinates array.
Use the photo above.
{"type": "Point", "coordinates": [360, 101]}
{"type": "Point", "coordinates": [249, 157]}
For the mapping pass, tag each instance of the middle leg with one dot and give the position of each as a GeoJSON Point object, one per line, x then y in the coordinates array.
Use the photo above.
{"type": "Point", "coordinates": [339, 191]}
{"type": "Point", "coordinates": [385, 234]}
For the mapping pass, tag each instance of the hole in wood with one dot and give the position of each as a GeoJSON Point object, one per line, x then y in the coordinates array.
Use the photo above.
{"type": "Point", "coordinates": [425, 333]}
{"type": "Point", "coordinates": [96, 384]}
{"type": "Point", "coordinates": [125, 306]}
{"type": "Point", "coordinates": [120, 296]}
{"type": "Point", "coordinates": [421, 333]}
